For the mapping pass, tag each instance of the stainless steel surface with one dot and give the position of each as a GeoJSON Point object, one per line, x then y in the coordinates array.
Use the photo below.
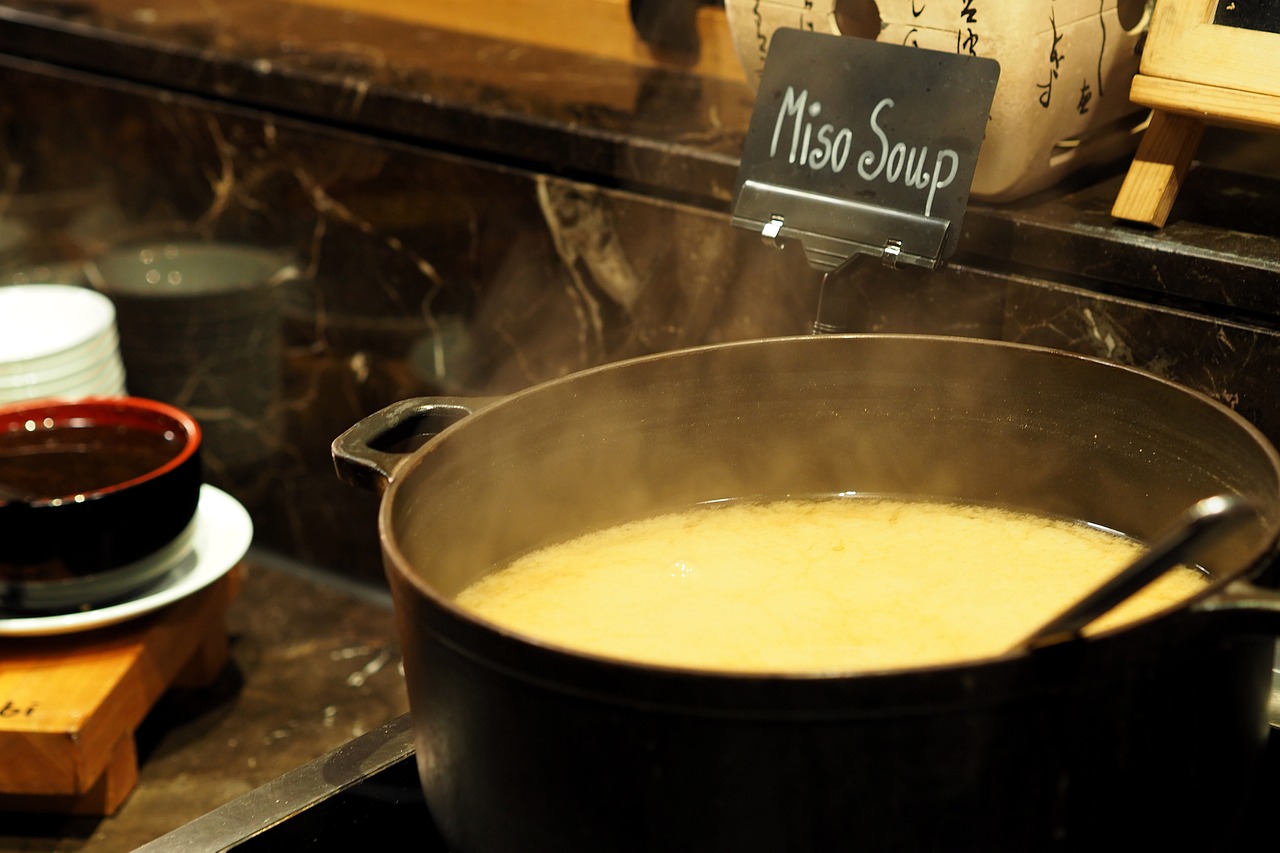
{"type": "Point", "coordinates": [1274, 710]}
{"type": "Point", "coordinates": [277, 801]}
{"type": "Point", "coordinates": [832, 230]}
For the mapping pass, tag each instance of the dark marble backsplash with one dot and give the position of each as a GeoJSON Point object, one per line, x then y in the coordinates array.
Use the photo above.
{"type": "Point", "coordinates": [414, 264]}
{"type": "Point", "coordinates": [417, 273]}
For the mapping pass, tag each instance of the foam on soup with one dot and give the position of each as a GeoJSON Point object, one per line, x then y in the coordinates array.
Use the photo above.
{"type": "Point", "coordinates": [812, 586]}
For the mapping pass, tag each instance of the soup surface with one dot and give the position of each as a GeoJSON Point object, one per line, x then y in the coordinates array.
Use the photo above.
{"type": "Point", "coordinates": [811, 586]}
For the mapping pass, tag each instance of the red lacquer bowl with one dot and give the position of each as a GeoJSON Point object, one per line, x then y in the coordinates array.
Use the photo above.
{"type": "Point", "coordinates": [89, 489]}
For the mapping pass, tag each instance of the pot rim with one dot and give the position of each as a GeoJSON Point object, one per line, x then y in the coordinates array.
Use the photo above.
{"type": "Point", "coordinates": [1200, 604]}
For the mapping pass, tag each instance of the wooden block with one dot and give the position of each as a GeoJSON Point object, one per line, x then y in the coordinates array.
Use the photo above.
{"type": "Point", "coordinates": [1159, 168]}
{"type": "Point", "coordinates": [210, 657]}
{"type": "Point", "coordinates": [69, 704]}
{"type": "Point", "coordinates": [104, 797]}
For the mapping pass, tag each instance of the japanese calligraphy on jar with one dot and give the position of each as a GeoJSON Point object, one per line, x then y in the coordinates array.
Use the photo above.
{"type": "Point", "coordinates": [1062, 102]}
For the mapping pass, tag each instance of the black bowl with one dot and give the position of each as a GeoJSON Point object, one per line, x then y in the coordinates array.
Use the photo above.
{"type": "Point", "coordinates": [91, 487]}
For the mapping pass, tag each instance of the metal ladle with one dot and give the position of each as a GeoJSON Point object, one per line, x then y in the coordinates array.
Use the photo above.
{"type": "Point", "coordinates": [1205, 521]}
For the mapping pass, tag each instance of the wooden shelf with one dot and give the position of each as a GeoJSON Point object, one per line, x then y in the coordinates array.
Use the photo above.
{"type": "Point", "coordinates": [593, 27]}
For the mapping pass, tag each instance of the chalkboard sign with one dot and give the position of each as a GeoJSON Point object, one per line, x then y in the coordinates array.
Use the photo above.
{"type": "Point", "coordinates": [861, 146]}
{"type": "Point", "coordinates": [1261, 15]}
{"type": "Point", "coordinates": [1205, 62]}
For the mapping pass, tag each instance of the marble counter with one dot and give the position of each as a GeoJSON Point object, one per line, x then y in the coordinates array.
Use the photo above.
{"type": "Point", "coordinates": [313, 665]}
{"type": "Point", "coordinates": [467, 215]}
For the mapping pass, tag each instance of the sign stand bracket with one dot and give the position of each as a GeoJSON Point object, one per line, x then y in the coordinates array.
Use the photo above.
{"type": "Point", "coordinates": [839, 236]}
{"type": "Point", "coordinates": [833, 230]}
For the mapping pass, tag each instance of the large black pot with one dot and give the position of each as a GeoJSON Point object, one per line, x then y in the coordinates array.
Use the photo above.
{"type": "Point", "coordinates": [1152, 732]}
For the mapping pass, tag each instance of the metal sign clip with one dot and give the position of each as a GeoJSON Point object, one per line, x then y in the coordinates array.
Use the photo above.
{"type": "Point", "coordinates": [832, 230]}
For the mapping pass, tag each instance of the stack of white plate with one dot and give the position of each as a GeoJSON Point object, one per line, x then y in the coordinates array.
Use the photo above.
{"type": "Point", "coordinates": [58, 341]}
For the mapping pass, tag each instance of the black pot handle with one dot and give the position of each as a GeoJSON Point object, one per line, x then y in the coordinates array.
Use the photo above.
{"type": "Point", "coordinates": [370, 452]}
{"type": "Point", "coordinates": [1252, 609]}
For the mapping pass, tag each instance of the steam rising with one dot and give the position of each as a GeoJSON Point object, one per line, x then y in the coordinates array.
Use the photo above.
{"type": "Point", "coordinates": [931, 417]}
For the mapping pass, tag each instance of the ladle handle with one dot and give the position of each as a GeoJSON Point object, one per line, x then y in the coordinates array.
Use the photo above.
{"type": "Point", "coordinates": [1205, 520]}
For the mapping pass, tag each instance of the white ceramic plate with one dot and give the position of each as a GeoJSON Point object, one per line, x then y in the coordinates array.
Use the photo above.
{"type": "Point", "coordinates": [102, 380]}
{"type": "Point", "coordinates": [69, 362]}
{"type": "Point", "coordinates": [48, 321]}
{"type": "Point", "coordinates": [222, 535]}
{"type": "Point", "coordinates": [69, 595]}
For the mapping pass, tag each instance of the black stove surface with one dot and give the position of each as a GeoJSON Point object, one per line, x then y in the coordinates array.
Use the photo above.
{"type": "Point", "coordinates": [387, 804]}
{"type": "Point", "coordinates": [368, 790]}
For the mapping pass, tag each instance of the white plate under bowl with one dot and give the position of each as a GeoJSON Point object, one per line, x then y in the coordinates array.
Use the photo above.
{"type": "Point", "coordinates": [223, 532]}
{"type": "Point", "coordinates": [66, 595]}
